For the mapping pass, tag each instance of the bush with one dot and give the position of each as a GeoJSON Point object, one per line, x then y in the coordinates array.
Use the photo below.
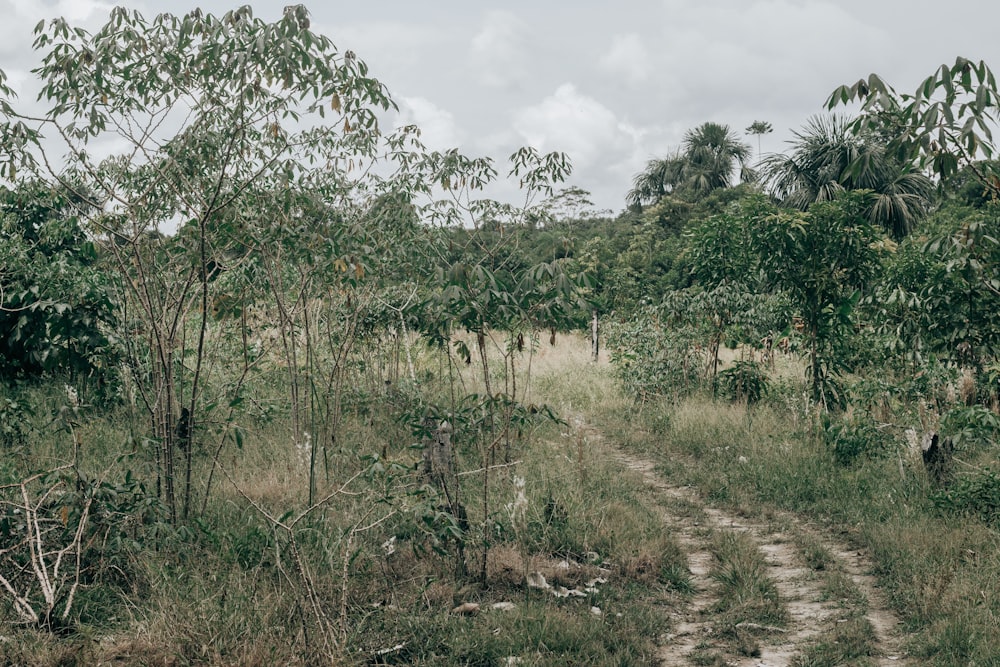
{"type": "Point", "coordinates": [976, 496]}
{"type": "Point", "coordinates": [653, 360]}
{"type": "Point", "coordinates": [15, 421]}
{"type": "Point", "coordinates": [58, 311]}
{"type": "Point", "coordinates": [855, 437]}
{"type": "Point", "coordinates": [744, 381]}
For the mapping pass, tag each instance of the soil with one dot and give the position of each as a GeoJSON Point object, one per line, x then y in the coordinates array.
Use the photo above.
{"type": "Point", "coordinates": [692, 636]}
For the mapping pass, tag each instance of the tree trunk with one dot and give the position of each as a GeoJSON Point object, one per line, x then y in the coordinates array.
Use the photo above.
{"type": "Point", "coordinates": [937, 454]}
{"type": "Point", "coordinates": [595, 339]}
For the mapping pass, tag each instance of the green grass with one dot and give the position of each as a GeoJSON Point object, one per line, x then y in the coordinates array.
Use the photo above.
{"type": "Point", "coordinates": [747, 598]}
{"type": "Point", "coordinates": [850, 641]}
{"type": "Point", "coordinates": [937, 569]}
{"type": "Point", "coordinates": [227, 587]}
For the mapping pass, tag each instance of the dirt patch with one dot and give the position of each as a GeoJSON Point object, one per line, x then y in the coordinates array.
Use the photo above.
{"type": "Point", "coordinates": [810, 612]}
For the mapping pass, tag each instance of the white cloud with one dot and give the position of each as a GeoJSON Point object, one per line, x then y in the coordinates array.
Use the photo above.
{"type": "Point", "coordinates": [497, 51]}
{"type": "Point", "coordinates": [627, 58]}
{"type": "Point", "coordinates": [438, 130]}
{"type": "Point", "coordinates": [81, 11]}
{"type": "Point", "coordinates": [580, 126]}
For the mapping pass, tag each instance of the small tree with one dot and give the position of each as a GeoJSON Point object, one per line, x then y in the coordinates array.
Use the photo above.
{"type": "Point", "coordinates": [218, 115]}
{"type": "Point", "coordinates": [822, 259]}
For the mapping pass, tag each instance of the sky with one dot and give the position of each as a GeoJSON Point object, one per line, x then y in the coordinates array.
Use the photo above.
{"type": "Point", "coordinates": [612, 84]}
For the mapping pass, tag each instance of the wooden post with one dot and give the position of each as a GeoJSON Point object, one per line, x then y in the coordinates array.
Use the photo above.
{"type": "Point", "coordinates": [439, 468]}
{"type": "Point", "coordinates": [595, 340]}
{"type": "Point", "coordinates": [439, 462]}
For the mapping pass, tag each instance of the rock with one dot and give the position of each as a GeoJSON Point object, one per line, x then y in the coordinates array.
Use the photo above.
{"type": "Point", "coordinates": [466, 609]}
{"type": "Point", "coordinates": [503, 606]}
{"type": "Point", "coordinates": [537, 580]}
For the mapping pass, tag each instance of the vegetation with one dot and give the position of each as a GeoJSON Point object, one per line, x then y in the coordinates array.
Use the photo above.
{"type": "Point", "coordinates": [279, 386]}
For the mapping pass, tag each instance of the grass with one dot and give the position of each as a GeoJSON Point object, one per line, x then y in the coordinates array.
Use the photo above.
{"type": "Point", "coordinates": [747, 598]}
{"type": "Point", "coordinates": [939, 570]}
{"type": "Point", "coordinates": [229, 587]}
{"type": "Point", "coordinates": [848, 642]}
{"type": "Point", "coordinates": [225, 589]}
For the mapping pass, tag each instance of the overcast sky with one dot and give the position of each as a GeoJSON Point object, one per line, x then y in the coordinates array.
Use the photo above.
{"type": "Point", "coordinates": [613, 84]}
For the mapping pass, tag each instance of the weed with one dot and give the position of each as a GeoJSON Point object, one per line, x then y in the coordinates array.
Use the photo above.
{"type": "Point", "coordinates": [748, 598]}
{"type": "Point", "coordinates": [850, 641]}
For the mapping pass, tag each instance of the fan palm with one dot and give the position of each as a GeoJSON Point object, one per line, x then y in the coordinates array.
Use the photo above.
{"type": "Point", "coordinates": [827, 159]}
{"type": "Point", "coordinates": [660, 178]}
{"type": "Point", "coordinates": [712, 152]}
{"type": "Point", "coordinates": [706, 162]}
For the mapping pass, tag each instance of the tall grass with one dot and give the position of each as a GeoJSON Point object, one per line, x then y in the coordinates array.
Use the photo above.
{"type": "Point", "coordinates": [226, 588]}
{"type": "Point", "coordinates": [941, 571]}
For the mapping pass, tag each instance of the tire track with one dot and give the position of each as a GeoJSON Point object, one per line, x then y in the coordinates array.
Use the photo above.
{"type": "Point", "coordinates": [799, 588]}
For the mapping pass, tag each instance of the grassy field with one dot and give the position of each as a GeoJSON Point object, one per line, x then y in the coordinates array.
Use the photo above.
{"type": "Point", "coordinates": [695, 532]}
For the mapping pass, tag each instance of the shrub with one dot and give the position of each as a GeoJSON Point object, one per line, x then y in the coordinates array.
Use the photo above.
{"type": "Point", "coordinates": [744, 381]}
{"type": "Point", "coordinates": [855, 437]}
{"type": "Point", "coordinates": [652, 360]}
{"type": "Point", "coordinates": [15, 421]}
{"type": "Point", "coordinates": [977, 496]}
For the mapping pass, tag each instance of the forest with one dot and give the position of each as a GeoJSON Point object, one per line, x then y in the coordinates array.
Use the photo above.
{"type": "Point", "coordinates": [280, 385]}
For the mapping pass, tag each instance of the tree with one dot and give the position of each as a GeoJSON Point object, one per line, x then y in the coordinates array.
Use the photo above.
{"type": "Point", "coordinates": [660, 178]}
{"type": "Point", "coordinates": [947, 122]}
{"type": "Point", "coordinates": [713, 151]}
{"type": "Point", "coordinates": [56, 311]}
{"type": "Point", "coordinates": [759, 128]}
{"type": "Point", "coordinates": [828, 158]}
{"type": "Point", "coordinates": [221, 119]}
{"type": "Point", "coordinates": [946, 125]}
{"type": "Point", "coordinates": [708, 157]}
{"type": "Point", "coordinates": [822, 259]}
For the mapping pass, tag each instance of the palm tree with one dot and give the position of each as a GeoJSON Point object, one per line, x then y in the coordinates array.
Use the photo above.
{"type": "Point", "coordinates": [712, 151]}
{"type": "Point", "coordinates": [759, 128]}
{"type": "Point", "coordinates": [827, 159]}
{"type": "Point", "coordinates": [660, 178]}
{"type": "Point", "coordinates": [706, 162]}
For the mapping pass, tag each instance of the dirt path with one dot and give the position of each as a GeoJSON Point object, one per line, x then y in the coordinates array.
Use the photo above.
{"type": "Point", "coordinates": [810, 611]}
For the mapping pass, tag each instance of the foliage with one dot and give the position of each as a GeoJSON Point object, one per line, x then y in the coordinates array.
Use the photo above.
{"type": "Point", "coordinates": [56, 303]}
{"type": "Point", "coordinates": [59, 530]}
{"type": "Point", "coordinates": [855, 437]}
{"type": "Point", "coordinates": [944, 125]}
{"type": "Point", "coordinates": [744, 382]}
{"type": "Point", "coordinates": [653, 359]}
{"type": "Point", "coordinates": [15, 420]}
{"type": "Point", "coordinates": [828, 159]}
{"type": "Point", "coordinates": [704, 164]}
{"type": "Point", "coordinates": [821, 259]}
{"type": "Point", "coordinates": [976, 495]}
{"type": "Point", "coordinates": [936, 294]}
{"type": "Point", "coordinates": [971, 426]}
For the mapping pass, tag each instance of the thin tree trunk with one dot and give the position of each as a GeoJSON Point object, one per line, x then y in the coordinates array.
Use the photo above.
{"type": "Point", "coordinates": [595, 339]}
